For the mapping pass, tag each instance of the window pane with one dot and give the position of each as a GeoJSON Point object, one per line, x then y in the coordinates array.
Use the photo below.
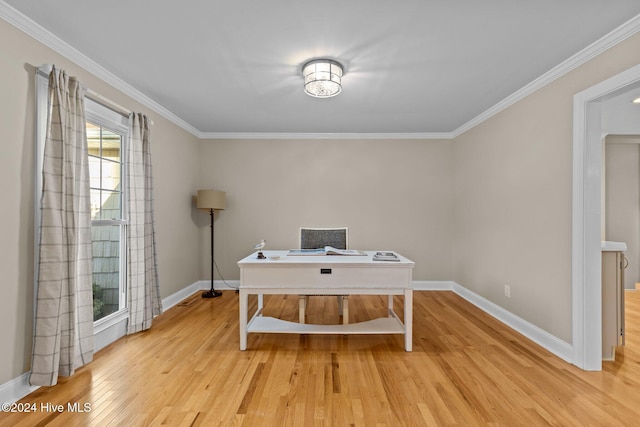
{"type": "Point", "coordinates": [110, 175]}
{"type": "Point", "coordinates": [95, 203]}
{"type": "Point", "coordinates": [111, 143]}
{"type": "Point", "coordinates": [93, 139]}
{"type": "Point", "coordinates": [110, 207]}
{"type": "Point", "coordinates": [106, 204]}
{"type": "Point", "coordinates": [94, 172]}
{"type": "Point", "coordinates": [105, 171]}
{"type": "Point", "coordinates": [106, 270]}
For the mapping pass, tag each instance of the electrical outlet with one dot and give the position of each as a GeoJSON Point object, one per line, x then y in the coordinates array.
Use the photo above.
{"type": "Point", "coordinates": [507, 291]}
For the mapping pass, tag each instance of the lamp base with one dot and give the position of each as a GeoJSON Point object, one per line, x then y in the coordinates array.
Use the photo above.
{"type": "Point", "coordinates": [261, 255]}
{"type": "Point", "coordinates": [211, 294]}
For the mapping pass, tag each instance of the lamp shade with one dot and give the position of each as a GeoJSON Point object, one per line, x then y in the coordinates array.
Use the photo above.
{"type": "Point", "coordinates": [211, 199]}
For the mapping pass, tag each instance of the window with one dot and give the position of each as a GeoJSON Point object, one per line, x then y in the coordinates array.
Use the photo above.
{"type": "Point", "coordinates": [106, 136]}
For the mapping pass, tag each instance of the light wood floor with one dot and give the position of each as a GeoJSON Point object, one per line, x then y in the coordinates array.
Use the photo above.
{"type": "Point", "coordinates": [466, 369]}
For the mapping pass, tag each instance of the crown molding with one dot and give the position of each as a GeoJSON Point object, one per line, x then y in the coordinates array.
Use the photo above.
{"type": "Point", "coordinates": [44, 36]}
{"type": "Point", "coordinates": [609, 40]}
{"type": "Point", "coordinates": [293, 135]}
{"type": "Point", "coordinates": [47, 38]}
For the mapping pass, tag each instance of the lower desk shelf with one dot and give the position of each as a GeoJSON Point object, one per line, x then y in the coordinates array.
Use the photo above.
{"type": "Point", "coordinates": [383, 325]}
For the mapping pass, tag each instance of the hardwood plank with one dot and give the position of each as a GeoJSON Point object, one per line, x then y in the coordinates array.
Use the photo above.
{"type": "Point", "coordinates": [466, 369]}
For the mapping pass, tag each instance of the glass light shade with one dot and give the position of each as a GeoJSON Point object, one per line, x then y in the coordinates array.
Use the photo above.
{"type": "Point", "coordinates": [211, 199]}
{"type": "Point", "coordinates": [322, 78]}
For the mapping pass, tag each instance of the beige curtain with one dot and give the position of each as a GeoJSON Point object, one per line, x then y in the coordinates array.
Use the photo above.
{"type": "Point", "coordinates": [142, 272]}
{"type": "Point", "coordinates": [63, 337]}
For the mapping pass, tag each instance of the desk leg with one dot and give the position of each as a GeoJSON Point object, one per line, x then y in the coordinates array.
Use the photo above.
{"type": "Point", "coordinates": [301, 308]}
{"type": "Point", "coordinates": [260, 303]}
{"type": "Point", "coordinates": [390, 304]}
{"type": "Point", "coordinates": [408, 319]}
{"type": "Point", "coordinates": [345, 309]}
{"type": "Point", "coordinates": [244, 312]}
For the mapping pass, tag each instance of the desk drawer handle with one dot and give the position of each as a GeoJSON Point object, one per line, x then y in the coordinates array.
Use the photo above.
{"type": "Point", "coordinates": [325, 271]}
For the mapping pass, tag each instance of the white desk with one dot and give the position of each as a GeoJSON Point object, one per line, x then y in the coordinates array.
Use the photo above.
{"type": "Point", "coordinates": [325, 275]}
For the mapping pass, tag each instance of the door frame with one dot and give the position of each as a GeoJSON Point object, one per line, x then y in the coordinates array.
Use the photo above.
{"type": "Point", "coordinates": [586, 262]}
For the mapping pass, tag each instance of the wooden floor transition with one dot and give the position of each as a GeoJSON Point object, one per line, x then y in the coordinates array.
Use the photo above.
{"type": "Point", "coordinates": [466, 369]}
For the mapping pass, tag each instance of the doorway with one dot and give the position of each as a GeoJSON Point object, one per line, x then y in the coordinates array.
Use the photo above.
{"type": "Point", "coordinates": [621, 192]}
{"type": "Point", "coordinates": [593, 118]}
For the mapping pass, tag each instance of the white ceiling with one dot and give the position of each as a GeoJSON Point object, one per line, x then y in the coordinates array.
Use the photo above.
{"type": "Point", "coordinates": [423, 67]}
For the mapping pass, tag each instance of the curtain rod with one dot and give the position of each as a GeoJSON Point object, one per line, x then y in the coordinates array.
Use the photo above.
{"type": "Point", "coordinates": [45, 70]}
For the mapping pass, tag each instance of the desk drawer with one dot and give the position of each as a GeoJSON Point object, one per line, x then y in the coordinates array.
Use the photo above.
{"type": "Point", "coordinates": [327, 277]}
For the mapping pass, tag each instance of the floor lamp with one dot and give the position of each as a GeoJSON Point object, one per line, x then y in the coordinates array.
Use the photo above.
{"type": "Point", "coordinates": [211, 200]}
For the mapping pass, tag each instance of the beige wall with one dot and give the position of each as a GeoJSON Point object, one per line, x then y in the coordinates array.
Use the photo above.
{"type": "Point", "coordinates": [513, 193]}
{"type": "Point", "coordinates": [391, 194]}
{"type": "Point", "coordinates": [175, 154]}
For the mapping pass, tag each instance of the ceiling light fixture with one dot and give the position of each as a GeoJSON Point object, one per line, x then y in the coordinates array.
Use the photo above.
{"type": "Point", "coordinates": [322, 78]}
{"type": "Point", "coordinates": [636, 101]}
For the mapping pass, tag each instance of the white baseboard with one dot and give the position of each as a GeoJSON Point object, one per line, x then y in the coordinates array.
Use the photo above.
{"type": "Point", "coordinates": [433, 285]}
{"type": "Point", "coordinates": [111, 332]}
{"type": "Point", "coordinates": [541, 337]}
{"type": "Point", "coordinates": [200, 285]}
{"type": "Point", "coordinates": [219, 285]}
{"type": "Point", "coordinates": [550, 342]}
{"type": "Point", "coordinates": [183, 293]}
{"type": "Point", "coordinates": [17, 388]}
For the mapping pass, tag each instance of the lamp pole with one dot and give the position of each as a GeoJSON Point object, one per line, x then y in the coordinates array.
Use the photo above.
{"type": "Point", "coordinates": [211, 200]}
{"type": "Point", "coordinates": [212, 293]}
